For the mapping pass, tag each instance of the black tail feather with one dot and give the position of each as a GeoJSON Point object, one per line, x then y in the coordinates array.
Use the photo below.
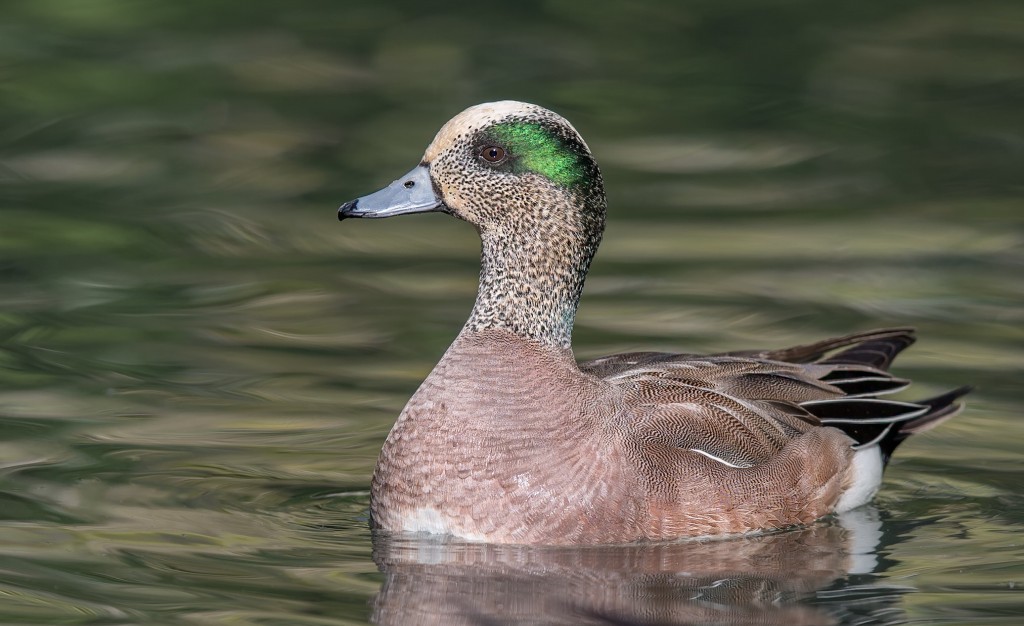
{"type": "Point", "coordinates": [876, 348]}
{"type": "Point", "coordinates": [870, 421]}
{"type": "Point", "coordinates": [859, 382]}
{"type": "Point", "coordinates": [861, 372]}
{"type": "Point", "coordinates": [878, 353]}
{"type": "Point", "coordinates": [864, 410]}
{"type": "Point", "coordinates": [941, 408]}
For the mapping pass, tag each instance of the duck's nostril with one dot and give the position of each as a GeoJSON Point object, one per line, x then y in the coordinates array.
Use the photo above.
{"type": "Point", "coordinates": [409, 184]}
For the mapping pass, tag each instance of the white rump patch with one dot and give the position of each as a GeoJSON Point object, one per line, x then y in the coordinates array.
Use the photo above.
{"type": "Point", "coordinates": [866, 471]}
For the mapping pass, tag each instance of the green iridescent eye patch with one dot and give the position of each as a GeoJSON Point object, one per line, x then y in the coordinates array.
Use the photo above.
{"type": "Point", "coordinates": [537, 149]}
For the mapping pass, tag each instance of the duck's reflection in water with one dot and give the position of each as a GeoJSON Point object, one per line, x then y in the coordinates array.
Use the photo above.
{"type": "Point", "coordinates": [806, 576]}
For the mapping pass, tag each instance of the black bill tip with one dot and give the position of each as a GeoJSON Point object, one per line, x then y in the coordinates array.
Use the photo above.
{"type": "Point", "coordinates": [346, 209]}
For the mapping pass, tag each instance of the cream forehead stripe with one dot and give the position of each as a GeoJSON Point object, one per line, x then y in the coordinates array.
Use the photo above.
{"type": "Point", "coordinates": [482, 115]}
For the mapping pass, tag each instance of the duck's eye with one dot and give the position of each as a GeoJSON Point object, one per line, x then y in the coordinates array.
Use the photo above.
{"type": "Point", "coordinates": [492, 154]}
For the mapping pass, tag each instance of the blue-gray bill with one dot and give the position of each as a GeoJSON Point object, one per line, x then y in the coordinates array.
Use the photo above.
{"type": "Point", "coordinates": [412, 193]}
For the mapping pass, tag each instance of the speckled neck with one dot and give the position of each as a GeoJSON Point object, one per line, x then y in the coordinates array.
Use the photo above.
{"type": "Point", "coordinates": [533, 268]}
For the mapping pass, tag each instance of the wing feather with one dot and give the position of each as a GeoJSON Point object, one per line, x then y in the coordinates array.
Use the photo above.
{"type": "Point", "coordinates": [741, 408]}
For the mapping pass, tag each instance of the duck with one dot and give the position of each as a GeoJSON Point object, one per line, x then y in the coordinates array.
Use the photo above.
{"type": "Point", "coordinates": [511, 440]}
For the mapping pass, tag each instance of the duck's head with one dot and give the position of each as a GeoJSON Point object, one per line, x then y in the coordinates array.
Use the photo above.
{"type": "Point", "coordinates": [499, 165]}
{"type": "Point", "coordinates": [525, 178]}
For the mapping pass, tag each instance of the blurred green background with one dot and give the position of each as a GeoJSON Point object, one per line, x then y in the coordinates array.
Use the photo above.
{"type": "Point", "coordinates": [198, 364]}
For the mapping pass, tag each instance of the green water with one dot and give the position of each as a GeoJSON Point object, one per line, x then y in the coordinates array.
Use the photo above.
{"type": "Point", "coordinates": [198, 363]}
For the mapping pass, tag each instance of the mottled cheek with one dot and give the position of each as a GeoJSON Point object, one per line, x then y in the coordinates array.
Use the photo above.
{"type": "Point", "coordinates": [451, 182]}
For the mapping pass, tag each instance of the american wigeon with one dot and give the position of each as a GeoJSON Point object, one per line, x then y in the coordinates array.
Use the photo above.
{"type": "Point", "coordinates": [510, 440]}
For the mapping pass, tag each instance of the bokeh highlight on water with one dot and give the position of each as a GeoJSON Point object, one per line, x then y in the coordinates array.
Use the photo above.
{"type": "Point", "coordinates": [198, 364]}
